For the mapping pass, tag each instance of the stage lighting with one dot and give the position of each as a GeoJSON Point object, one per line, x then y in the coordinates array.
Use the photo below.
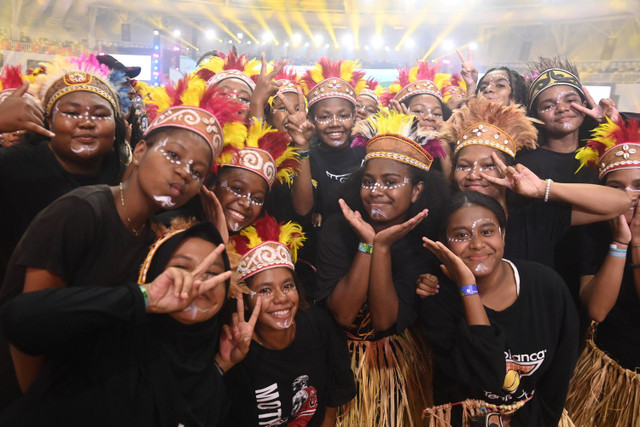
{"type": "Point", "coordinates": [267, 37]}
{"type": "Point", "coordinates": [473, 45]}
{"type": "Point", "coordinates": [230, 41]}
{"type": "Point", "coordinates": [347, 39]}
{"type": "Point", "coordinates": [296, 39]}
{"type": "Point", "coordinates": [156, 32]}
{"type": "Point", "coordinates": [317, 39]}
{"type": "Point", "coordinates": [410, 43]}
{"type": "Point", "coordinates": [210, 34]}
{"type": "Point", "coordinates": [248, 41]}
{"type": "Point", "coordinates": [377, 42]}
{"type": "Point", "coordinates": [176, 33]}
{"type": "Point", "coordinates": [240, 35]}
{"type": "Point", "coordinates": [326, 45]}
{"type": "Point", "coordinates": [286, 44]}
{"type": "Point", "coordinates": [306, 44]}
{"type": "Point", "coordinates": [448, 45]}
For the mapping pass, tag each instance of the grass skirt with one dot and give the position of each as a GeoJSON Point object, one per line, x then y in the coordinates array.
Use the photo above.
{"type": "Point", "coordinates": [603, 393]}
{"type": "Point", "coordinates": [393, 377]}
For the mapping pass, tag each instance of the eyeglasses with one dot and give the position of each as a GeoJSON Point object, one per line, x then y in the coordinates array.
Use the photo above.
{"type": "Point", "coordinates": [324, 119]}
{"type": "Point", "coordinates": [371, 185]}
{"type": "Point", "coordinates": [368, 110]}
{"type": "Point", "coordinates": [252, 199]}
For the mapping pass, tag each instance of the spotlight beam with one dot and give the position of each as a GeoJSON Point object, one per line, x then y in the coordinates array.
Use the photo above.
{"type": "Point", "coordinates": [455, 20]}
{"type": "Point", "coordinates": [206, 12]}
{"type": "Point", "coordinates": [325, 18]}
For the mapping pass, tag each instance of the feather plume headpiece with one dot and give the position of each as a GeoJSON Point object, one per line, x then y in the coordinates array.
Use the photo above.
{"type": "Point", "coordinates": [612, 146]}
{"type": "Point", "coordinates": [372, 89]}
{"type": "Point", "coordinates": [507, 129]}
{"type": "Point", "coordinates": [266, 244]}
{"type": "Point", "coordinates": [423, 79]}
{"type": "Point", "coordinates": [66, 75]}
{"type": "Point", "coordinates": [266, 152]}
{"type": "Point", "coordinates": [397, 136]}
{"type": "Point", "coordinates": [11, 79]}
{"type": "Point", "coordinates": [332, 79]}
{"type": "Point", "coordinates": [454, 87]}
{"type": "Point", "coordinates": [230, 66]}
{"type": "Point", "coordinates": [190, 104]}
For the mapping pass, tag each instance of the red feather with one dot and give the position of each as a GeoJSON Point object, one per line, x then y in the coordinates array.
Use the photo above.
{"type": "Point", "coordinates": [426, 71]}
{"type": "Point", "coordinates": [12, 77]}
{"type": "Point", "coordinates": [371, 83]}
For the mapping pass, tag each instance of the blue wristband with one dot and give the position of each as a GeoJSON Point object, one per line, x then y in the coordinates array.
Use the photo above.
{"type": "Point", "coordinates": [366, 248]}
{"type": "Point", "coordinates": [145, 295]}
{"type": "Point", "coordinates": [469, 290]}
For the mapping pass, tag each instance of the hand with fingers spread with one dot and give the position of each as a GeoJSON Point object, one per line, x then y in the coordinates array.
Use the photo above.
{"type": "Point", "coordinates": [452, 266]}
{"type": "Point", "coordinates": [20, 111]}
{"type": "Point", "coordinates": [214, 212]}
{"type": "Point", "coordinates": [517, 178]}
{"type": "Point", "coordinates": [236, 338]}
{"type": "Point", "coordinates": [390, 235]}
{"type": "Point", "coordinates": [427, 285]}
{"type": "Point", "coordinates": [175, 288]}
{"type": "Point", "coordinates": [363, 229]}
{"type": "Point", "coordinates": [298, 126]}
{"type": "Point", "coordinates": [265, 87]}
{"type": "Point", "coordinates": [605, 108]}
{"type": "Point", "coordinates": [399, 107]}
{"type": "Point", "coordinates": [468, 71]}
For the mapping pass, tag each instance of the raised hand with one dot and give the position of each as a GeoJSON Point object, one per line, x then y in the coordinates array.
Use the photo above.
{"type": "Point", "coordinates": [517, 178]}
{"type": "Point", "coordinates": [298, 126]}
{"type": "Point", "coordinates": [390, 235]}
{"type": "Point", "coordinates": [427, 285]}
{"type": "Point", "coordinates": [236, 338]}
{"type": "Point", "coordinates": [452, 266]}
{"type": "Point", "coordinates": [399, 107]}
{"type": "Point", "coordinates": [175, 288]}
{"type": "Point", "coordinates": [620, 229]}
{"type": "Point", "coordinates": [22, 112]}
{"type": "Point", "coordinates": [468, 71]}
{"type": "Point", "coordinates": [214, 212]}
{"type": "Point", "coordinates": [605, 108]}
{"type": "Point", "coordinates": [362, 228]}
{"type": "Point", "coordinates": [265, 87]}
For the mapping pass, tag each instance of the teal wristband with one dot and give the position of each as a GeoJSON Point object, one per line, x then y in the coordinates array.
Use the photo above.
{"type": "Point", "coordinates": [303, 154]}
{"type": "Point", "coordinates": [145, 295]}
{"type": "Point", "coordinates": [469, 290]}
{"type": "Point", "coordinates": [365, 248]}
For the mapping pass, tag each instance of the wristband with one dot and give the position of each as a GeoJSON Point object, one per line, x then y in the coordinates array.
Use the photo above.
{"type": "Point", "coordinates": [365, 248]}
{"type": "Point", "coordinates": [615, 251]}
{"type": "Point", "coordinates": [145, 295]}
{"type": "Point", "coordinates": [620, 243]}
{"type": "Point", "coordinates": [469, 290]}
{"type": "Point", "coordinates": [303, 154]}
{"type": "Point", "coordinates": [547, 189]}
{"type": "Point", "coordinates": [220, 371]}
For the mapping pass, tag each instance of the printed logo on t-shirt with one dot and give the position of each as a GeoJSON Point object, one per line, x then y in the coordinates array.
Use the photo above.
{"type": "Point", "coordinates": [342, 178]}
{"type": "Point", "coordinates": [304, 404]}
{"type": "Point", "coordinates": [518, 366]}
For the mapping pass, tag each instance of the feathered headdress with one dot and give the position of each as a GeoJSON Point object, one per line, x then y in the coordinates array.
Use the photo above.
{"type": "Point", "coordinates": [288, 80]}
{"type": "Point", "coordinates": [612, 146]}
{"type": "Point", "coordinates": [332, 79]}
{"type": "Point", "coordinates": [218, 68]}
{"type": "Point", "coordinates": [396, 136]}
{"type": "Point", "coordinates": [10, 80]}
{"type": "Point", "coordinates": [423, 79]}
{"type": "Point", "coordinates": [266, 151]}
{"type": "Point", "coordinates": [455, 86]}
{"type": "Point", "coordinates": [548, 72]}
{"type": "Point", "coordinates": [507, 129]}
{"type": "Point", "coordinates": [66, 75]}
{"type": "Point", "coordinates": [190, 104]}
{"type": "Point", "coordinates": [266, 244]}
{"type": "Point", "coordinates": [372, 89]}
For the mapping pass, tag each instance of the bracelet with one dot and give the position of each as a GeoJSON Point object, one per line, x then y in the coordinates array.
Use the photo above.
{"type": "Point", "coordinates": [620, 243]}
{"type": "Point", "coordinates": [469, 290]}
{"type": "Point", "coordinates": [634, 265]}
{"type": "Point", "coordinates": [220, 371]}
{"type": "Point", "coordinates": [615, 253]}
{"type": "Point", "coordinates": [636, 245]}
{"type": "Point", "coordinates": [365, 248]}
{"type": "Point", "coordinates": [303, 154]}
{"type": "Point", "coordinates": [145, 295]}
{"type": "Point", "coordinates": [546, 191]}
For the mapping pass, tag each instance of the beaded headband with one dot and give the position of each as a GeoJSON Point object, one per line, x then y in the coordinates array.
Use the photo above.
{"type": "Point", "coordinates": [333, 87]}
{"type": "Point", "coordinates": [420, 87]}
{"type": "Point", "coordinates": [231, 74]}
{"type": "Point", "coordinates": [552, 77]}
{"type": "Point", "coordinates": [400, 149]}
{"type": "Point", "coordinates": [486, 134]}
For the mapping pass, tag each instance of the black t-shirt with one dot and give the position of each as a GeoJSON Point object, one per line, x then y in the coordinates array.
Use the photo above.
{"type": "Point", "coordinates": [536, 338]}
{"type": "Point", "coordinates": [110, 363]}
{"type": "Point", "coordinates": [293, 386]}
{"type": "Point", "coordinates": [30, 179]}
{"type": "Point", "coordinates": [619, 333]}
{"type": "Point", "coordinates": [560, 167]}
{"type": "Point", "coordinates": [81, 238]}
{"type": "Point", "coordinates": [336, 251]}
{"type": "Point", "coordinates": [534, 228]}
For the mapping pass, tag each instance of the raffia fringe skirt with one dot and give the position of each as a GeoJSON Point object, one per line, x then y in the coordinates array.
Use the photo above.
{"type": "Point", "coordinates": [440, 416]}
{"type": "Point", "coordinates": [603, 393]}
{"type": "Point", "coordinates": [393, 377]}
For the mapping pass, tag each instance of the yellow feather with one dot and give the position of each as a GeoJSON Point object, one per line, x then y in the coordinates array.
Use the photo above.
{"type": "Point", "coordinates": [586, 156]}
{"type": "Point", "coordinates": [252, 235]}
{"type": "Point", "coordinates": [441, 80]}
{"type": "Point", "coordinates": [215, 64]}
{"type": "Point", "coordinates": [257, 130]}
{"type": "Point", "coordinates": [291, 234]}
{"type": "Point", "coordinates": [252, 67]}
{"type": "Point", "coordinates": [360, 85]}
{"type": "Point", "coordinates": [192, 95]}
{"type": "Point", "coordinates": [287, 174]}
{"type": "Point", "coordinates": [392, 122]}
{"type": "Point", "coordinates": [316, 74]}
{"type": "Point", "coordinates": [413, 74]}
{"type": "Point", "coordinates": [235, 133]}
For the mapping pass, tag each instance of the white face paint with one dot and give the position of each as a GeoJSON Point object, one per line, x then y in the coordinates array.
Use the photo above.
{"type": "Point", "coordinates": [165, 201]}
{"type": "Point", "coordinates": [467, 237]}
{"type": "Point", "coordinates": [381, 187]}
{"type": "Point", "coordinates": [192, 310]}
{"type": "Point", "coordinates": [74, 113]}
{"type": "Point", "coordinates": [286, 324]}
{"type": "Point", "coordinates": [481, 268]}
{"type": "Point", "coordinates": [84, 149]}
{"type": "Point", "coordinates": [234, 226]}
{"type": "Point", "coordinates": [377, 213]}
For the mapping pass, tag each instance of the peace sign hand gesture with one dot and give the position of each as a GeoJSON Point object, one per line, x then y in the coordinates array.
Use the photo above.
{"type": "Point", "coordinates": [236, 338]}
{"type": "Point", "coordinates": [605, 108]}
{"type": "Point", "coordinates": [468, 71]}
{"type": "Point", "coordinates": [175, 288]}
{"type": "Point", "coordinates": [265, 87]}
{"type": "Point", "coordinates": [517, 178]}
{"type": "Point", "coordinates": [298, 126]}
